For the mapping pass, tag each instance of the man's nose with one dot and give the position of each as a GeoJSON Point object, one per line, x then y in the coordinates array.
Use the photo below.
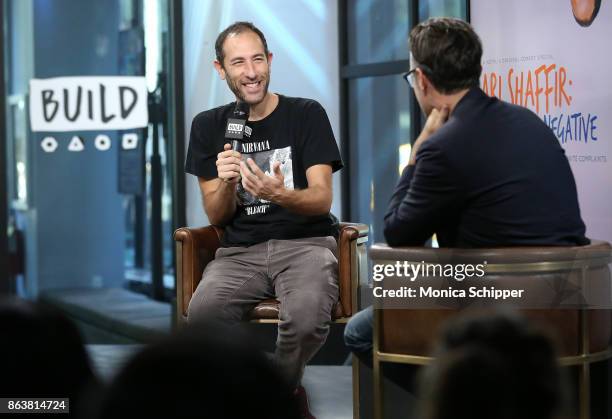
{"type": "Point", "coordinates": [249, 70]}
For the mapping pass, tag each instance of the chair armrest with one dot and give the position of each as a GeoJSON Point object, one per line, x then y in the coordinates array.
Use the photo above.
{"type": "Point", "coordinates": [596, 251]}
{"type": "Point", "coordinates": [351, 248]}
{"type": "Point", "coordinates": [195, 247]}
{"type": "Point", "coordinates": [361, 229]}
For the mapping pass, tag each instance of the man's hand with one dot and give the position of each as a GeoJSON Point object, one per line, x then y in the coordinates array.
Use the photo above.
{"type": "Point", "coordinates": [228, 165]}
{"type": "Point", "coordinates": [435, 120]}
{"type": "Point", "coordinates": [260, 185]}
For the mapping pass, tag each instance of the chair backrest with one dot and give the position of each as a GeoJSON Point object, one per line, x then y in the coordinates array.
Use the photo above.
{"type": "Point", "coordinates": [413, 331]}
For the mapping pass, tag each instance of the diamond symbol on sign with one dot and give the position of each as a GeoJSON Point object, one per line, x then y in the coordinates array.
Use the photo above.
{"type": "Point", "coordinates": [102, 142]}
{"type": "Point", "coordinates": [129, 141]}
{"type": "Point", "coordinates": [49, 144]}
{"type": "Point", "coordinates": [76, 144]}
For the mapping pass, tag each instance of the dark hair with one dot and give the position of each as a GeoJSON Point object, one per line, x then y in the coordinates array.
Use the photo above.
{"type": "Point", "coordinates": [42, 354]}
{"type": "Point", "coordinates": [492, 367]}
{"type": "Point", "coordinates": [449, 52]}
{"type": "Point", "coordinates": [205, 372]}
{"type": "Point", "coordinates": [235, 29]}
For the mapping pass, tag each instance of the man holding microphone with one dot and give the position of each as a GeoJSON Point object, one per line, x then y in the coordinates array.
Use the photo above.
{"type": "Point", "coordinates": [272, 193]}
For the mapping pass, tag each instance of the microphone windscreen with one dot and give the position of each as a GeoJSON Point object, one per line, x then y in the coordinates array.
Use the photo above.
{"type": "Point", "coordinates": [242, 110]}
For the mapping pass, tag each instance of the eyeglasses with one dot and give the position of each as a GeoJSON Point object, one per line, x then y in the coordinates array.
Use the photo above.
{"type": "Point", "coordinates": [409, 77]}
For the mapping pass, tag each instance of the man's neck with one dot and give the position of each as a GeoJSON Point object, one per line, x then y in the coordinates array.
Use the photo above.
{"type": "Point", "coordinates": [450, 100]}
{"type": "Point", "coordinates": [263, 108]}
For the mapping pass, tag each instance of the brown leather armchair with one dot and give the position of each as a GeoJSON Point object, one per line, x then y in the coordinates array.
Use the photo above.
{"type": "Point", "coordinates": [195, 247]}
{"type": "Point", "coordinates": [582, 335]}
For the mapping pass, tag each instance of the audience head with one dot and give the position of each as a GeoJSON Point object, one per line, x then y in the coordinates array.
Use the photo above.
{"type": "Point", "coordinates": [213, 374]}
{"type": "Point", "coordinates": [42, 353]}
{"type": "Point", "coordinates": [492, 367]}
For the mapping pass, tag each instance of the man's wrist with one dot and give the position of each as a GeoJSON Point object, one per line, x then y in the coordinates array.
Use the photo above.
{"type": "Point", "coordinates": [426, 132]}
{"type": "Point", "coordinates": [228, 184]}
{"type": "Point", "coordinates": [412, 160]}
{"type": "Point", "coordinates": [281, 197]}
{"type": "Point", "coordinates": [233, 179]}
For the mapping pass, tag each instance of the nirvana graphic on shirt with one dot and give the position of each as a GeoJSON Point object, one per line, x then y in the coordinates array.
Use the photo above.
{"type": "Point", "coordinates": [265, 158]}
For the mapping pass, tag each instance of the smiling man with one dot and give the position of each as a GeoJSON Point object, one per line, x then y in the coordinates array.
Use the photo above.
{"type": "Point", "coordinates": [273, 196]}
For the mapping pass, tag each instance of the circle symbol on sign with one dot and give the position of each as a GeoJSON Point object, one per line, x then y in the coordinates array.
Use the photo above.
{"type": "Point", "coordinates": [49, 144]}
{"type": "Point", "coordinates": [102, 142]}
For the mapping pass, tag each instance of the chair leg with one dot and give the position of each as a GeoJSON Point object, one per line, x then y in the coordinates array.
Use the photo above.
{"type": "Point", "coordinates": [356, 387]}
{"type": "Point", "coordinates": [584, 384]}
{"type": "Point", "coordinates": [584, 380]}
{"type": "Point", "coordinates": [378, 388]}
{"type": "Point", "coordinates": [377, 373]}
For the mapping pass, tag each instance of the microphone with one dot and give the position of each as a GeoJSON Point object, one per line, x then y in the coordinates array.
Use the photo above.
{"type": "Point", "coordinates": [241, 110]}
{"type": "Point", "coordinates": [235, 124]}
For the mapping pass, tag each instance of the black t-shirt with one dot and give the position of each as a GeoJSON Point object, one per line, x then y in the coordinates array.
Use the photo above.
{"type": "Point", "coordinates": [298, 134]}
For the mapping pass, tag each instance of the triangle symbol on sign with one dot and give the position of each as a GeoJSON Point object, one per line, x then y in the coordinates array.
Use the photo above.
{"type": "Point", "coordinates": [76, 144]}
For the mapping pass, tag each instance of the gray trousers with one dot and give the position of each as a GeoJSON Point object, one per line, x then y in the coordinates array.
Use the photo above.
{"type": "Point", "coordinates": [302, 274]}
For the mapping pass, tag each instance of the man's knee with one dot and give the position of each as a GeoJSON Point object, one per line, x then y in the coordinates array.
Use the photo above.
{"type": "Point", "coordinates": [204, 310]}
{"type": "Point", "coordinates": [322, 259]}
{"type": "Point", "coordinates": [207, 304]}
{"type": "Point", "coordinates": [317, 280]}
{"type": "Point", "coordinates": [308, 315]}
{"type": "Point", "coordinates": [352, 339]}
{"type": "Point", "coordinates": [358, 331]}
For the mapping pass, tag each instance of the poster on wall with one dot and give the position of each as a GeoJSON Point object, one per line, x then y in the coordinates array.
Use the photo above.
{"type": "Point", "coordinates": [553, 57]}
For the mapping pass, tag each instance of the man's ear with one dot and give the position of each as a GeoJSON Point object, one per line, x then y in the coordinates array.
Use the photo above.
{"type": "Point", "coordinates": [219, 68]}
{"type": "Point", "coordinates": [422, 81]}
{"type": "Point", "coordinates": [270, 56]}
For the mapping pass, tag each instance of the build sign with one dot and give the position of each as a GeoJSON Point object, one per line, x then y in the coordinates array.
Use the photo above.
{"type": "Point", "coordinates": [98, 103]}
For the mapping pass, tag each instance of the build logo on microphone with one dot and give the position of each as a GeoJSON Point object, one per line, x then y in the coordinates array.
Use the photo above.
{"type": "Point", "coordinates": [234, 128]}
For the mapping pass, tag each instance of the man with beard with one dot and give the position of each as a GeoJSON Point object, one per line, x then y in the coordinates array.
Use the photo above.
{"type": "Point", "coordinates": [273, 197]}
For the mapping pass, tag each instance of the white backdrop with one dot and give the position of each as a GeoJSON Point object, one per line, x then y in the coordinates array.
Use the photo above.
{"type": "Point", "coordinates": [302, 34]}
{"type": "Point", "coordinates": [564, 71]}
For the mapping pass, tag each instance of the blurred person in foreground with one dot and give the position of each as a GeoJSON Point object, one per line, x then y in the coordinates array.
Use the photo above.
{"type": "Point", "coordinates": [215, 373]}
{"type": "Point", "coordinates": [43, 355]}
{"type": "Point", "coordinates": [492, 367]}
